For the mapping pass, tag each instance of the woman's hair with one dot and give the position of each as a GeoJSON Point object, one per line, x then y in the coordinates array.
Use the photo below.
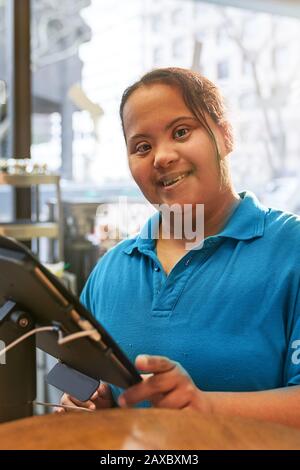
{"type": "Point", "coordinates": [200, 95]}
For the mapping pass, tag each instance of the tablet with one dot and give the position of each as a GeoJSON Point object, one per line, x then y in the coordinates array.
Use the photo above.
{"type": "Point", "coordinates": [24, 280]}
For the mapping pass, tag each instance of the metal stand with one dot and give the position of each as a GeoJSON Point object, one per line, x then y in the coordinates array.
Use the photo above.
{"type": "Point", "coordinates": [18, 368]}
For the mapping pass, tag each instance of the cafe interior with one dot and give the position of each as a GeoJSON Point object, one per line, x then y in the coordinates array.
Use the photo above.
{"type": "Point", "coordinates": [67, 196]}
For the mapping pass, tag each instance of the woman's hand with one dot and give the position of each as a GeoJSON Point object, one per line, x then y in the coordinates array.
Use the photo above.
{"type": "Point", "coordinates": [101, 399]}
{"type": "Point", "coordinates": [168, 386]}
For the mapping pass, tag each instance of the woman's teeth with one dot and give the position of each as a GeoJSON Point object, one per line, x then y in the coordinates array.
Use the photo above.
{"type": "Point", "coordinates": [175, 180]}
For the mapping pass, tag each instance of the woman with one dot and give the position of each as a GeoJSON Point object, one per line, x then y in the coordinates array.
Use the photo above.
{"type": "Point", "coordinates": [218, 324]}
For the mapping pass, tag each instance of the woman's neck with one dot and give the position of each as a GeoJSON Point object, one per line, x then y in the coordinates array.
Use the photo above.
{"type": "Point", "coordinates": [216, 215]}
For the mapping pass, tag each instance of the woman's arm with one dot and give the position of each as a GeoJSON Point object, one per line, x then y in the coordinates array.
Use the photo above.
{"type": "Point", "coordinates": [281, 405]}
{"type": "Point", "coordinates": [169, 386]}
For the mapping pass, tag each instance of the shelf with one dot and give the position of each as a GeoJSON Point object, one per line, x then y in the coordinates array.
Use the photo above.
{"type": "Point", "coordinates": [27, 231]}
{"type": "Point", "coordinates": [22, 181]}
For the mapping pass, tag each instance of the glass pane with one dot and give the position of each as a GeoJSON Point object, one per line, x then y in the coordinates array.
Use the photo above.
{"type": "Point", "coordinates": [58, 30]}
{"type": "Point", "coordinates": [84, 56]}
{"type": "Point", "coordinates": [250, 55]}
{"type": "Point", "coordinates": [6, 205]}
{"type": "Point", "coordinates": [3, 81]}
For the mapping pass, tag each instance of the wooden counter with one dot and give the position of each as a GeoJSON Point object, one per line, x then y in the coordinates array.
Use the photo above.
{"type": "Point", "coordinates": [144, 429]}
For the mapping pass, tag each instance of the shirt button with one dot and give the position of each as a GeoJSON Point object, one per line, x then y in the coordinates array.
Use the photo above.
{"type": "Point", "coordinates": [156, 268]}
{"type": "Point", "coordinates": [188, 261]}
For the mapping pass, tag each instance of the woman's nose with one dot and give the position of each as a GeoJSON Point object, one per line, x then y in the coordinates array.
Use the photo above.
{"type": "Point", "coordinates": [164, 156]}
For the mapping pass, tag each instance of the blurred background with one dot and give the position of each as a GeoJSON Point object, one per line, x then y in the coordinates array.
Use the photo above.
{"type": "Point", "coordinates": [63, 68]}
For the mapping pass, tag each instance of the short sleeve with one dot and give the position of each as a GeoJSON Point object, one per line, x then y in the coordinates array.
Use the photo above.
{"type": "Point", "coordinates": [292, 366]}
{"type": "Point", "coordinates": [89, 295]}
{"type": "Point", "coordinates": [85, 297]}
{"type": "Point", "coordinates": [86, 294]}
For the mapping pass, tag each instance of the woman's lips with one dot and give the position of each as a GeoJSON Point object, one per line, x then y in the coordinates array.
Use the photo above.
{"type": "Point", "coordinates": [180, 178]}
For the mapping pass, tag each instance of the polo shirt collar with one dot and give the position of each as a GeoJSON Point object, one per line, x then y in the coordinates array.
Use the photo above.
{"type": "Point", "coordinates": [246, 222]}
{"type": "Point", "coordinates": [147, 236]}
{"type": "Point", "coordinates": [248, 219]}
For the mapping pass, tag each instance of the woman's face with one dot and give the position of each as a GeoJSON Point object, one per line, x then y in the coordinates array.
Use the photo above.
{"type": "Point", "coordinates": [171, 156]}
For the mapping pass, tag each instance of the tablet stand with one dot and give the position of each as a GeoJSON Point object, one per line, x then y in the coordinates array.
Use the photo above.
{"type": "Point", "coordinates": [34, 296]}
{"type": "Point", "coordinates": [18, 368]}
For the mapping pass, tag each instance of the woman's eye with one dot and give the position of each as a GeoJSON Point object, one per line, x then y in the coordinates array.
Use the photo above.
{"type": "Point", "coordinates": [142, 148]}
{"type": "Point", "coordinates": [181, 132]}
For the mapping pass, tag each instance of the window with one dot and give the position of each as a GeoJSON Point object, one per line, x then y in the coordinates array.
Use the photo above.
{"type": "Point", "coordinates": [177, 16]}
{"type": "Point", "coordinates": [156, 23]}
{"type": "Point", "coordinates": [178, 47]}
{"type": "Point", "coordinates": [250, 25]}
{"type": "Point", "coordinates": [221, 36]}
{"type": "Point", "coordinates": [157, 55]}
{"type": "Point", "coordinates": [3, 118]}
{"type": "Point", "coordinates": [223, 69]}
{"type": "Point", "coordinates": [281, 56]}
{"type": "Point", "coordinates": [58, 31]}
{"type": "Point", "coordinates": [87, 43]}
{"type": "Point", "coordinates": [247, 69]}
{"type": "Point", "coordinates": [3, 83]}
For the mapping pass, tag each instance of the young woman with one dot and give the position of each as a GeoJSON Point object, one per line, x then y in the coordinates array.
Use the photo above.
{"type": "Point", "coordinates": [216, 328]}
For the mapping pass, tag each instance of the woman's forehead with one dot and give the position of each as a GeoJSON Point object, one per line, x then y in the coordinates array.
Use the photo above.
{"type": "Point", "coordinates": [156, 93]}
{"type": "Point", "coordinates": [158, 101]}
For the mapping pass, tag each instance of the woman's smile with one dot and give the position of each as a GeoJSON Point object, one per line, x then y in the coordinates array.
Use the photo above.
{"type": "Point", "coordinates": [171, 181]}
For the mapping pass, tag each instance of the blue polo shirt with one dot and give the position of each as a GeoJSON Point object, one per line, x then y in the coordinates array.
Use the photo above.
{"type": "Point", "coordinates": [229, 313]}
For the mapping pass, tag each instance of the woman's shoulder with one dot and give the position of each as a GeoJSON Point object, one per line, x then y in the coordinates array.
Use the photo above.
{"type": "Point", "coordinates": [283, 229]}
{"type": "Point", "coordinates": [283, 221]}
{"type": "Point", "coordinates": [116, 252]}
{"type": "Point", "coordinates": [123, 246]}
{"type": "Point", "coordinates": [110, 263]}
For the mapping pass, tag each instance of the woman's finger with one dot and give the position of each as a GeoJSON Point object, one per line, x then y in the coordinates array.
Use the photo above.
{"type": "Point", "coordinates": [103, 392]}
{"type": "Point", "coordinates": [72, 401]}
{"type": "Point", "coordinates": [150, 388]}
{"type": "Point", "coordinates": [155, 364]}
{"type": "Point", "coordinates": [59, 410]}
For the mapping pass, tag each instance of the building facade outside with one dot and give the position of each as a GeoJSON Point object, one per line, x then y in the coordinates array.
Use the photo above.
{"type": "Point", "coordinates": [252, 56]}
